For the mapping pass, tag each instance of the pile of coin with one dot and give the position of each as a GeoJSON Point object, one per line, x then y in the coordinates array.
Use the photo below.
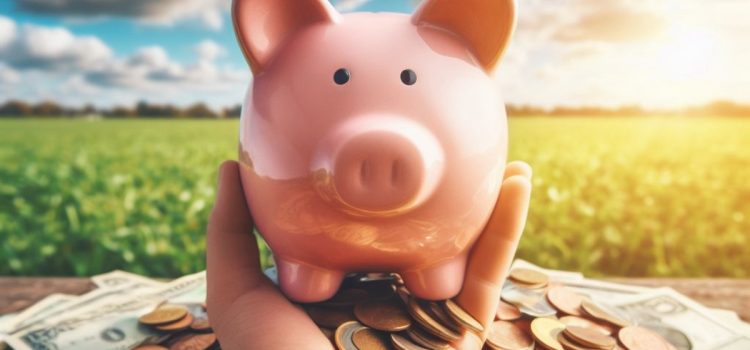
{"type": "Point", "coordinates": [181, 328]}
{"type": "Point", "coordinates": [377, 312]}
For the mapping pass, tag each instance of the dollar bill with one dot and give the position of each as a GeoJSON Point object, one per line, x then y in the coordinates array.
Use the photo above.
{"type": "Point", "coordinates": [118, 278]}
{"type": "Point", "coordinates": [109, 323]}
{"type": "Point", "coordinates": [685, 323]}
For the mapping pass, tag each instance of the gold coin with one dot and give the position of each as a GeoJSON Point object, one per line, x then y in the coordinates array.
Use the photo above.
{"type": "Point", "coordinates": [178, 325]}
{"type": "Point", "coordinates": [438, 312]}
{"type": "Point", "coordinates": [435, 328]}
{"type": "Point", "coordinates": [589, 337]}
{"type": "Point", "coordinates": [401, 343]}
{"type": "Point", "coordinates": [194, 342]}
{"type": "Point", "coordinates": [507, 336]}
{"type": "Point", "coordinates": [604, 328]}
{"type": "Point", "coordinates": [546, 330]}
{"type": "Point", "coordinates": [370, 339]}
{"type": "Point", "coordinates": [201, 325]}
{"type": "Point", "coordinates": [507, 312]}
{"type": "Point", "coordinates": [528, 277]}
{"type": "Point", "coordinates": [344, 334]}
{"type": "Point", "coordinates": [639, 338]}
{"type": "Point", "coordinates": [329, 317]}
{"type": "Point", "coordinates": [427, 340]}
{"type": "Point", "coordinates": [463, 317]}
{"type": "Point", "coordinates": [386, 315]}
{"type": "Point", "coordinates": [598, 312]}
{"type": "Point", "coordinates": [565, 300]}
{"type": "Point", "coordinates": [164, 314]}
{"type": "Point", "coordinates": [569, 344]}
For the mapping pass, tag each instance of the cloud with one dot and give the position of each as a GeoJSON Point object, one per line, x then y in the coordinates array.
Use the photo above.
{"type": "Point", "coordinates": [158, 12]}
{"type": "Point", "coordinates": [349, 5]}
{"type": "Point", "coordinates": [614, 26]}
{"type": "Point", "coordinates": [36, 47]}
{"type": "Point", "coordinates": [8, 75]}
{"type": "Point", "coordinates": [7, 31]}
{"type": "Point", "coordinates": [151, 68]}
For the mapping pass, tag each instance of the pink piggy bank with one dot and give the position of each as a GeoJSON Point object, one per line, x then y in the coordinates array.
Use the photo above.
{"type": "Point", "coordinates": [372, 142]}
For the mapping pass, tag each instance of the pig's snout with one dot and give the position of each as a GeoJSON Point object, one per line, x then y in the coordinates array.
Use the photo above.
{"type": "Point", "coordinates": [385, 166]}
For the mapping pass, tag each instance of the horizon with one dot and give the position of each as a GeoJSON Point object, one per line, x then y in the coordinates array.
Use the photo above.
{"type": "Point", "coordinates": [669, 54]}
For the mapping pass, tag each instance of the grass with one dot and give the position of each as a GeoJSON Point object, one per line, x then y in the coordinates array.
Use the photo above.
{"type": "Point", "coordinates": [637, 197]}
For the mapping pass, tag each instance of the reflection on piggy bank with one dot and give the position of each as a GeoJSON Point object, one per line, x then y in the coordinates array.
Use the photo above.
{"type": "Point", "coordinates": [372, 141]}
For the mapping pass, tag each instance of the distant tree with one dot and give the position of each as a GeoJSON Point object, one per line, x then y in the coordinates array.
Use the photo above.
{"type": "Point", "coordinates": [15, 108]}
{"type": "Point", "coordinates": [233, 112]}
{"type": "Point", "coordinates": [199, 110]}
{"type": "Point", "coordinates": [121, 112]}
{"type": "Point", "coordinates": [48, 109]}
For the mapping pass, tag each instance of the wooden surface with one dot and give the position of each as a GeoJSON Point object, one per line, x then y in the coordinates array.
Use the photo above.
{"type": "Point", "coordinates": [731, 294]}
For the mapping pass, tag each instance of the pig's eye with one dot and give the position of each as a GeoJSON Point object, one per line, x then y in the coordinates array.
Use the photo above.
{"type": "Point", "coordinates": [408, 77]}
{"type": "Point", "coordinates": [342, 76]}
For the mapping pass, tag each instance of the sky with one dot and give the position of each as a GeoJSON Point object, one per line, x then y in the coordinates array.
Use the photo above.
{"type": "Point", "coordinates": [652, 53]}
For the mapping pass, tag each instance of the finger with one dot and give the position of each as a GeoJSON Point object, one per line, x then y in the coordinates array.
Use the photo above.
{"type": "Point", "coordinates": [494, 251]}
{"type": "Point", "coordinates": [232, 261]}
{"type": "Point", "coordinates": [517, 168]}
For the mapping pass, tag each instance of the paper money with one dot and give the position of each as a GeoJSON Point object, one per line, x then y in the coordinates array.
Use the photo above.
{"type": "Point", "coordinates": [687, 324]}
{"type": "Point", "coordinates": [107, 324]}
{"type": "Point", "coordinates": [117, 278]}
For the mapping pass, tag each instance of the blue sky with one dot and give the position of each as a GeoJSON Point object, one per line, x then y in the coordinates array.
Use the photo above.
{"type": "Point", "coordinates": [655, 53]}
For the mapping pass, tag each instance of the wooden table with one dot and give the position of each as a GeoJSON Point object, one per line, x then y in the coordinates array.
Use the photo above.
{"type": "Point", "coordinates": [731, 294]}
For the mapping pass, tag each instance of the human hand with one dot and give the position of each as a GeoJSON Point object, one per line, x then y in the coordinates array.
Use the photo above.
{"type": "Point", "coordinates": [248, 311]}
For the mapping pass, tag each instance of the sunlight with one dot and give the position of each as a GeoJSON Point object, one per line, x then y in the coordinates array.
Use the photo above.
{"type": "Point", "coordinates": [687, 53]}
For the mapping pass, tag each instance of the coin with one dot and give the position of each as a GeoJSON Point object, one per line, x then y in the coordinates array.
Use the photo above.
{"type": "Point", "coordinates": [401, 343]}
{"type": "Point", "coordinates": [344, 334]}
{"type": "Point", "coordinates": [438, 312]}
{"type": "Point", "coordinates": [589, 337]}
{"type": "Point", "coordinates": [507, 336]}
{"type": "Point", "coordinates": [461, 316]}
{"type": "Point", "coordinates": [195, 342]}
{"type": "Point", "coordinates": [164, 314]}
{"type": "Point", "coordinates": [507, 312]}
{"type": "Point", "coordinates": [545, 331]}
{"type": "Point", "coordinates": [565, 300]}
{"type": "Point", "coordinates": [528, 277]}
{"type": "Point", "coordinates": [329, 317]}
{"type": "Point", "coordinates": [601, 313]}
{"type": "Point", "coordinates": [639, 338]}
{"type": "Point", "coordinates": [416, 310]}
{"type": "Point", "coordinates": [569, 344]}
{"type": "Point", "coordinates": [370, 339]}
{"type": "Point", "coordinates": [604, 328]}
{"type": "Point", "coordinates": [201, 326]}
{"type": "Point", "coordinates": [385, 315]}
{"type": "Point", "coordinates": [179, 325]}
{"type": "Point", "coordinates": [425, 339]}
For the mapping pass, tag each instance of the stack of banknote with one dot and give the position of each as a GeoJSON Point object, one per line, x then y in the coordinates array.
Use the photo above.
{"type": "Point", "coordinates": [541, 307]}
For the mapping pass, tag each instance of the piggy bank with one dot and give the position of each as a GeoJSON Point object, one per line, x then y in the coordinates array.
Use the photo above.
{"type": "Point", "coordinates": [372, 142]}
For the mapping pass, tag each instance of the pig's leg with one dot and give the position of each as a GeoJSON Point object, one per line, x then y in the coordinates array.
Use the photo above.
{"type": "Point", "coordinates": [437, 282]}
{"type": "Point", "coordinates": [306, 283]}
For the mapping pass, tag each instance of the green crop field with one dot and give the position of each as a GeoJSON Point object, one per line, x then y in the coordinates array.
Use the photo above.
{"type": "Point", "coordinates": [611, 196]}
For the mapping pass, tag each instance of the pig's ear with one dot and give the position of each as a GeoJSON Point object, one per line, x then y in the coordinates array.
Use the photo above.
{"type": "Point", "coordinates": [485, 25]}
{"type": "Point", "coordinates": [263, 26]}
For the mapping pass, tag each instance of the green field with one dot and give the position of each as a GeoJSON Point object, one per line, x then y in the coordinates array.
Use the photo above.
{"type": "Point", "coordinates": [611, 196]}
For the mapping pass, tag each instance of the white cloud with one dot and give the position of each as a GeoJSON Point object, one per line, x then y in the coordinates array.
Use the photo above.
{"type": "Point", "coordinates": [7, 31]}
{"type": "Point", "coordinates": [37, 47]}
{"type": "Point", "coordinates": [349, 5]}
{"type": "Point", "coordinates": [159, 12]}
{"type": "Point", "coordinates": [8, 76]}
{"type": "Point", "coordinates": [209, 51]}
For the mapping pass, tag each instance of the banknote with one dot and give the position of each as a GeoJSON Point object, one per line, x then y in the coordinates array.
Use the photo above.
{"type": "Point", "coordinates": [685, 323]}
{"type": "Point", "coordinates": [107, 324]}
{"type": "Point", "coordinates": [40, 310]}
{"type": "Point", "coordinates": [117, 278]}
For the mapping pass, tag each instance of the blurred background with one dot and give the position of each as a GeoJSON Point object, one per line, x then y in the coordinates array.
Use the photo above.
{"type": "Point", "coordinates": [114, 116]}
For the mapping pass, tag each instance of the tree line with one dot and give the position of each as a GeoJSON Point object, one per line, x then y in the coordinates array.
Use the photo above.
{"type": "Point", "coordinates": [143, 109]}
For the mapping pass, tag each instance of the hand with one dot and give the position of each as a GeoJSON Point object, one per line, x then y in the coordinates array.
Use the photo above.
{"type": "Point", "coordinates": [248, 311]}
